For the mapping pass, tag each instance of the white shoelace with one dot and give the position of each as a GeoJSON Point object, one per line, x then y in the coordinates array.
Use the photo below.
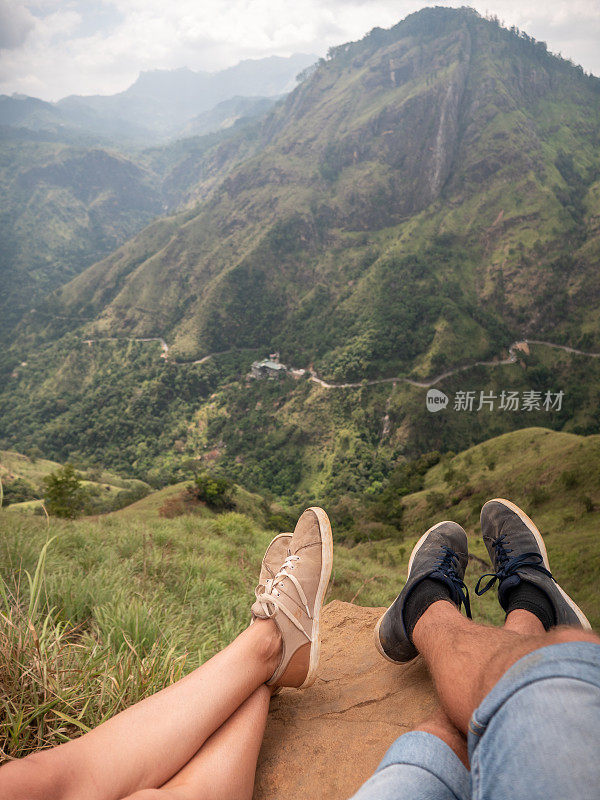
{"type": "Point", "coordinates": [271, 598]}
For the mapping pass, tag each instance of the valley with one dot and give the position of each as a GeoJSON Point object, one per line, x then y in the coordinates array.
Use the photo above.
{"type": "Point", "coordinates": [314, 377]}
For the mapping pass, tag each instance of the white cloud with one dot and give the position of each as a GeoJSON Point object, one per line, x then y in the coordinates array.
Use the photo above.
{"type": "Point", "coordinates": [99, 46]}
{"type": "Point", "coordinates": [15, 24]}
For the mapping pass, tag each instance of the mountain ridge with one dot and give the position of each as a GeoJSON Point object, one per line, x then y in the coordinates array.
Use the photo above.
{"type": "Point", "coordinates": [158, 105]}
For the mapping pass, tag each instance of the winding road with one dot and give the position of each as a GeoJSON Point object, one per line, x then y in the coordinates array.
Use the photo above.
{"type": "Point", "coordinates": [512, 359]}
{"type": "Point", "coordinates": [313, 376]}
{"type": "Point", "coordinates": [564, 347]}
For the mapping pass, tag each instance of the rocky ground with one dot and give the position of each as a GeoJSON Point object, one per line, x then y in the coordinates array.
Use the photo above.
{"type": "Point", "coordinates": [325, 741]}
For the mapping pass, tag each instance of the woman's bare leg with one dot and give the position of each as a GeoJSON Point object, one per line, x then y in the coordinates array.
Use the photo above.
{"type": "Point", "coordinates": [145, 745]}
{"type": "Point", "coordinates": [225, 766]}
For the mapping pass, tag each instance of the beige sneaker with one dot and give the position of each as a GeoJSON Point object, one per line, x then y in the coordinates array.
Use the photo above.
{"type": "Point", "coordinates": [274, 556]}
{"type": "Point", "coordinates": [294, 597]}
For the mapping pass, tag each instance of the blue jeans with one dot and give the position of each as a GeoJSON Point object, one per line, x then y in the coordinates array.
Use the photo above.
{"type": "Point", "coordinates": [536, 736]}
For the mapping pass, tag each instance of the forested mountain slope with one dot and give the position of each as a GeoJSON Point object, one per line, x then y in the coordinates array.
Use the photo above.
{"type": "Point", "coordinates": [425, 197]}
{"type": "Point", "coordinates": [61, 208]}
{"type": "Point", "coordinates": [67, 201]}
{"type": "Point", "coordinates": [425, 193]}
{"type": "Point", "coordinates": [79, 177]}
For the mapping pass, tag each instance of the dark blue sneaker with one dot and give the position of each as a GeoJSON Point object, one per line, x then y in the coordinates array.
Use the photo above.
{"type": "Point", "coordinates": [442, 554]}
{"type": "Point", "coordinates": [518, 554]}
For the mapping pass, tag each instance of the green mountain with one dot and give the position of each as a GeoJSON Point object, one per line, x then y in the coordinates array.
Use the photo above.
{"type": "Point", "coordinates": [425, 197]}
{"type": "Point", "coordinates": [68, 201]}
{"type": "Point", "coordinates": [62, 207]}
{"type": "Point", "coordinates": [78, 178]}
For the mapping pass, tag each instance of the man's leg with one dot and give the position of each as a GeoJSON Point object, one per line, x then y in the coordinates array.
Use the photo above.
{"type": "Point", "coordinates": [429, 763]}
{"type": "Point", "coordinates": [535, 735]}
{"type": "Point", "coordinates": [440, 725]}
{"type": "Point", "coordinates": [528, 695]}
{"type": "Point", "coordinates": [520, 621]}
{"type": "Point", "coordinates": [466, 659]}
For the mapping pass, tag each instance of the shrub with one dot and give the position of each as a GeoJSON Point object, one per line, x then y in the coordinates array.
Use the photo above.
{"type": "Point", "coordinates": [435, 500]}
{"type": "Point", "coordinates": [570, 478]}
{"type": "Point", "coordinates": [63, 495]}
{"type": "Point", "coordinates": [539, 495]}
{"type": "Point", "coordinates": [588, 503]}
{"type": "Point", "coordinates": [280, 522]}
{"type": "Point", "coordinates": [214, 490]}
{"type": "Point", "coordinates": [449, 475]}
{"type": "Point", "coordinates": [18, 491]}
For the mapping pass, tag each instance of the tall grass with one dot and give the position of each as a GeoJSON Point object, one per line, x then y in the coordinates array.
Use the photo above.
{"type": "Point", "coordinates": [97, 614]}
{"type": "Point", "coordinates": [58, 680]}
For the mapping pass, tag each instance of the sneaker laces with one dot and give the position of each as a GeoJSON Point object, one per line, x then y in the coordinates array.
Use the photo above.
{"type": "Point", "coordinates": [448, 567]}
{"type": "Point", "coordinates": [271, 598]}
{"type": "Point", "coordinates": [507, 566]}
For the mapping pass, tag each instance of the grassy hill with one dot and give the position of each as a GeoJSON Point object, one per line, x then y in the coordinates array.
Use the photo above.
{"type": "Point", "coordinates": [23, 485]}
{"type": "Point", "coordinates": [152, 597]}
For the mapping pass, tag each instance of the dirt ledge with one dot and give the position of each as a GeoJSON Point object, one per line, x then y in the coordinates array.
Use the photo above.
{"type": "Point", "coordinates": [324, 742]}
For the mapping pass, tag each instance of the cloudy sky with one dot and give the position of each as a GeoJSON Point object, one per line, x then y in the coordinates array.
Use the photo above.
{"type": "Point", "coordinates": [52, 48]}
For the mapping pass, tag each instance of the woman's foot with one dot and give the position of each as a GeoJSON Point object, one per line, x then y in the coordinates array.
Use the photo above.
{"type": "Point", "coordinates": [293, 599]}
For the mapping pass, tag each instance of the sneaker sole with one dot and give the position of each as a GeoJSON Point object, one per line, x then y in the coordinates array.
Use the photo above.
{"type": "Point", "coordinates": [415, 550]}
{"type": "Point", "coordinates": [540, 542]}
{"type": "Point", "coordinates": [326, 565]}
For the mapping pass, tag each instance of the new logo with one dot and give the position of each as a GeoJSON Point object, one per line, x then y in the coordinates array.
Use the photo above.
{"type": "Point", "coordinates": [436, 400]}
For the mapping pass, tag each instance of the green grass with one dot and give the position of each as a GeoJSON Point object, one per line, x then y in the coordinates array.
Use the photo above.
{"type": "Point", "coordinates": [33, 470]}
{"type": "Point", "coordinates": [119, 605]}
{"type": "Point", "coordinates": [26, 506]}
{"type": "Point", "coordinates": [125, 606]}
